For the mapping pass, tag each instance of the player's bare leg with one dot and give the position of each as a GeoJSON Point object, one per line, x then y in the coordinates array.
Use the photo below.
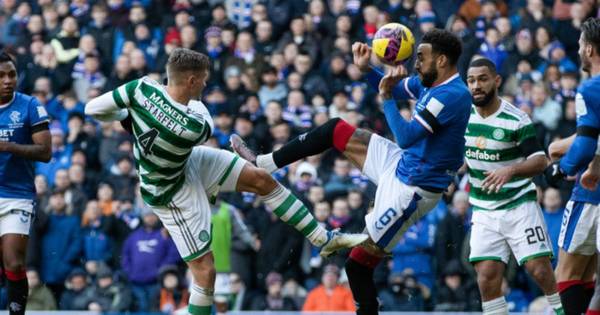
{"type": "Point", "coordinates": [572, 277]}
{"type": "Point", "coordinates": [540, 269]}
{"type": "Point", "coordinates": [14, 249]}
{"type": "Point", "coordinates": [202, 293]}
{"type": "Point", "coordinates": [489, 280]}
{"type": "Point", "coordinates": [291, 211]}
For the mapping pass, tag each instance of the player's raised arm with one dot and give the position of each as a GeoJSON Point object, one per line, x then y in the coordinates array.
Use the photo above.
{"type": "Point", "coordinates": [406, 133]}
{"type": "Point", "coordinates": [111, 105]}
{"type": "Point", "coordinates": [407, 88]}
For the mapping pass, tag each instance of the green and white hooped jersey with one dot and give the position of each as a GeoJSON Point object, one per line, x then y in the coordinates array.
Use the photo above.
{"type": "Point", "coordinates": [165, 133]}
{"type": "Point", "coordinates": [491, 143]}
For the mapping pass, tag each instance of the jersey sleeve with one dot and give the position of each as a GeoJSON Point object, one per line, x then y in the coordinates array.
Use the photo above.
{"type": "Point", "coordinates": [525, 137]}
{"type": "Point", "coordinates": [124, 93]}
{"type": "Point", "coordinates": [407, 88]}
{"type": "Point", "coordinates": [38, 116]}
{"type": "Point", "coordinates": [585, 144]}
{"type": "Point", "coordinates": [435, 114]}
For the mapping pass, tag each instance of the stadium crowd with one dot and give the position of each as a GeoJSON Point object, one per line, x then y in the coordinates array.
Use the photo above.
{"type": "Point", "coordinates": [278, 68]}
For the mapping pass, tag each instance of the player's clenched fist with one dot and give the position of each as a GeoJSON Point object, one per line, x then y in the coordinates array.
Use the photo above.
{"type": "Point", "coordinates": [361, 53]}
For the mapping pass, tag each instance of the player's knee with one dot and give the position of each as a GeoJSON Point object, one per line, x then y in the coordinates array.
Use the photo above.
{"type": "Point", "coordinates": [540, 269]}
{"type": "Point", "coordinates": [263, 183]}
{"type": "Point", "coordinates": [14, 265]}
{"type": "Point", "coordinates": [488, 277]}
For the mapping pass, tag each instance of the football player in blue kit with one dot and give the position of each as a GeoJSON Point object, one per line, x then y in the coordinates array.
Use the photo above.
{"type": "Point", "coordinates": [578, 238]}
{"type": "Point", "coordinates": [24, 138]}
{"type": "Point", "coordinates": [412, 172]}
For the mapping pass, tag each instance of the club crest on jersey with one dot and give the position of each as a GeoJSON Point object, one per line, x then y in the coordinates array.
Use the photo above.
{"type": "Point", "coordinates": [15, 119]}
{"type": "Point", "coordinates": [498, 134]}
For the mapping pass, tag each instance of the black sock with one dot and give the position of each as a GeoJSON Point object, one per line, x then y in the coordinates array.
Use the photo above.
{"type": "Point", "coordinates": [18, 289]}
{"type": "Point", "coordinates": [313, 142]}
{"type": "Point", "coordinates": [363, 288]}
{"type": "Point", "coordinates": [588, 293]}
{"type": "Point", "coordinates": [573, 300]}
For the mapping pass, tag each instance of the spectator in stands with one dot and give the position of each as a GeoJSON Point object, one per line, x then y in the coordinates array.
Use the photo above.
{"type": "Point", "coordinates": [402, 294]}
{"type": "Point", "coordinates": [271, 89]}
{"type": "Point", "coordinates": [145, 251]}
{"type": "Point", "coordinates": [545, 110]}
{"type": "Point", "coordinates": [108, 295]}
{"type": "Point", "coordinates": [61, 244]}
{"type": "Point", "coordinates": [414, 252]}
{"type": "Point", "coordinates": [97, 243]}
{"type": "Point", "coordinates": [329, 296]}
{"type": "Point", "coordinates": [553, 214]}
{"type": "Point", "coordinates": [66, 44]}
{"type": "Point", "coordinates": [40, 297]}
{"type": "Point", "coordinates": [492, 48]}
{"type": "Point", "coordinates": [173, 294]}
{"type": "Point", "coordinates": [340, 181]}
{"type": "Point", "coordinates": [77, 293]}
{"type": "Point", "coordinates": [452, 230]}
{"type": "Point", "coordinates": [454, 294]}
{"type": "Point", "coordinates": [240, 298]}
{"type": "Point", "coordinates": [61, 156]}
{"type": "Point", "coordinates": [74, 198]}
{"type": "Point", "coordinates": [122, 178]}
{"type": "Point", "coordinates": [235, 92]}
{"type": "Point", "coordinates": [273, 300]}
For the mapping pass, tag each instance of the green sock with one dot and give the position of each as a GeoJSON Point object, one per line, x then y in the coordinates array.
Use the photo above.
{"type": "Point", "coordinates": [291, 211]}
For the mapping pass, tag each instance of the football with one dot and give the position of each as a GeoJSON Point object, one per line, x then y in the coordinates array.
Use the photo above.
{"type": "Point", "coordinates": [393, 43]}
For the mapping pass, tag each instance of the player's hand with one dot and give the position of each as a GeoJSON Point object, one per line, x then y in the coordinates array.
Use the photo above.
{"type": "Point", "coordinates": [554, 175]}
{"type": "Point", "coordinates": [390, 80]}
{"type": "Point", "coordinates": [591, 176]}
{"type": "Point", "coordinates": [494, 180]}
{"type": "Point", "coordinates": [4, 145]}
{"type": "Point", "coordinates": [361, 53]}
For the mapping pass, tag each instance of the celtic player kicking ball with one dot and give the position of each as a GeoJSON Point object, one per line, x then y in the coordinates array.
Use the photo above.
{"type": "Point", "coordinates": [177, 176]}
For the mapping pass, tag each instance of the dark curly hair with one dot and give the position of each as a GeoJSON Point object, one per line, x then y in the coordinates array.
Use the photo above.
{"type": "Point", "coordinates": [445, 43]}
{"type": "Point", "coordinates": [591, 33]}
{"type": "Point", "coordinates": [5, 57]}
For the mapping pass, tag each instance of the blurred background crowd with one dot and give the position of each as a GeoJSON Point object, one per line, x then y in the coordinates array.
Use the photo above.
{"type": "Point", "coordinates": [279, 67]}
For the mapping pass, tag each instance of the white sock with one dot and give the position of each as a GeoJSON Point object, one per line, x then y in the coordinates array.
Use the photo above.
{"type": "Point", "coordinates": [554, 301]}
{"type": "Point", "coordinates": [265, 161]}
{"type": "Point", "coordinates": [201, 301]}
{"type": "Point", "coordinates": [495, 307]}
{"type": "Point", "coordinates": [291, 211]}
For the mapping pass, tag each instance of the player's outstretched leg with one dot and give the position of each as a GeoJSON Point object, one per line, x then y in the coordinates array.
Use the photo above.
{"type": "Point", "coordinates": [335, 133]}
{"type": "Point", "coordinates": [541, 271]}
{"type": "Point", "coordinates": [293, 212]}
{"type": "Point", "coordinates": [359, 268]}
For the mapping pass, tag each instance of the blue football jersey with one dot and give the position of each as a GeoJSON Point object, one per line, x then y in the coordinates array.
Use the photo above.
{"type": "Point", "coordinates": [444, 111]}
{"type": "Point", "coordinates": [587, 105]}
{"type": "Point", "coordinates": [17, 120]}
{"type": "Point", "coordinates": [435, 153]}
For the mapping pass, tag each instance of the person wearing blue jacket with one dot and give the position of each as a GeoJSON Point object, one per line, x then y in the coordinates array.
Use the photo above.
{"type": "Point", "coordinates": [61, 245]}
{"type": "Point", "coordinates": [414, 252]}
{"type": "Point", "coordinates": [145, 251]}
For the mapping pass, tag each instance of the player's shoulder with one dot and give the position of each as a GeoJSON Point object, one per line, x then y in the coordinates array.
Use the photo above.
{"type": "Point", "coordinates": [21, 98]}
{"type": "Point", "coordinates": [453, 92]}
{"type": "Point", "coordinates": [590, 90]}
{"type": "Point", "coordinates": [513, 113]}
